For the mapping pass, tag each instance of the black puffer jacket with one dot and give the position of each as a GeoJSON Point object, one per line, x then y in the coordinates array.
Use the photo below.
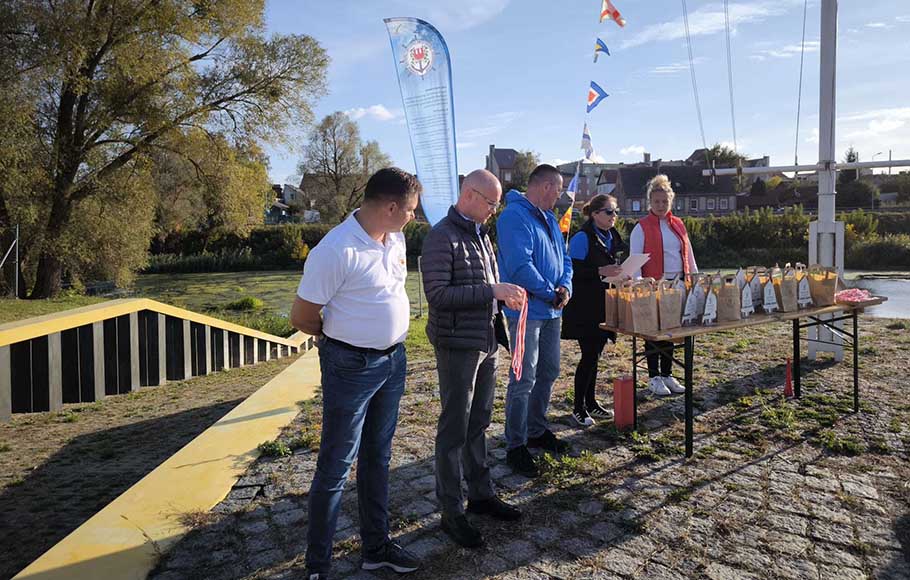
{"type": "Point", "coordinates": [459, 295]}
{"type": "Point", "coordinates": [586, 308]}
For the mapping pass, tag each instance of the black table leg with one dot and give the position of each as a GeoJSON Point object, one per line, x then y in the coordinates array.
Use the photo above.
{"type": "Point", "coordinates": [855, 362]}
{"type": "Point", "coordinates": [635, 383]}
{"type": "Point", "coordinates": [689, 358]}
{"type": "Point", "coordinates": [797, 383]}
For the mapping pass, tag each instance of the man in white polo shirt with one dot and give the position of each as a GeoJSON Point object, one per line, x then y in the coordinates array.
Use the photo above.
{"type": "Point", "coordinates": [355, 279]}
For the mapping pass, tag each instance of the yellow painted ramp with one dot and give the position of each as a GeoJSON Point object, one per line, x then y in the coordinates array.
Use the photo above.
{"type": "Point", "coordinates": [124, 539]}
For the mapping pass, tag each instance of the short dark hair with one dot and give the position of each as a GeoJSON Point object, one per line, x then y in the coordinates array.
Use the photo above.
{"type": "Point", "coordinates": [391, 184]}
{"type": "Point", "coordinates": [543, 172]}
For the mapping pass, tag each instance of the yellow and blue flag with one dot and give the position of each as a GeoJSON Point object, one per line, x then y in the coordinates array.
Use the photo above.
{"type": "Point", "coordinates": [599, 47]}
{"type": "Point", "coordinates": [595, 96]}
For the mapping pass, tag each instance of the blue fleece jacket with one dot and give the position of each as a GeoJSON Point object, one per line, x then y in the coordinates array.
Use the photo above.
{"type": "Point", "coordinates": [532, 254]}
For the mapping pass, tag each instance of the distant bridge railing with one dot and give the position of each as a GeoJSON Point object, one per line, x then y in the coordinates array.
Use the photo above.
{"type": "Point", "coordinates": [86, 354]}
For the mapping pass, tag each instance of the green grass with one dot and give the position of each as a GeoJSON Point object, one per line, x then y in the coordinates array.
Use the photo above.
{"type": "Point", "coordinates": [11, 310]}
{"type": "Point", "coordinates": [898, 325]}
{"type": "Point", "coordinates": [840, 445]}
{"type": "Point", "coordinates": [560, 470]}
{"type": "Point", "coordinates": [274, 449]}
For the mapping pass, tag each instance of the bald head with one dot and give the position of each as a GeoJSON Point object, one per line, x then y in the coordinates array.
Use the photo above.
{"type": "Point", "coordinates": [480, 195]}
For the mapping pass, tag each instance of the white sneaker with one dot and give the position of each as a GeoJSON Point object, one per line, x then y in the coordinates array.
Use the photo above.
{"type": "Point", "coordinates": [658, 388]}
{"type": "Point", "coordinates": [674, 386]}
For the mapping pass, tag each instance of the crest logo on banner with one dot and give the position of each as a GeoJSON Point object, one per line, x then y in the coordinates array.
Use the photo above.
{"type": "Point", "coordinates": [419, 57]}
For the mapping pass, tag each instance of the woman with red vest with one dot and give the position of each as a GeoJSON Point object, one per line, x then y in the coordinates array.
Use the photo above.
{"type": "Point", "coordinates": [664, 237]}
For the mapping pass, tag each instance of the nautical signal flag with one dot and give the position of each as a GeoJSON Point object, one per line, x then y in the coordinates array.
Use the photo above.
{"type": "Point", "coordinates": [586, 144]}
{"type": "Point", "coordinates": [607, 10]}
{"type": "Point", "coordinates": [565, 222]}
{"type": "Point", "coordinates": [599, 47]}
{"type": "Point", "coordinates": [595, 96]}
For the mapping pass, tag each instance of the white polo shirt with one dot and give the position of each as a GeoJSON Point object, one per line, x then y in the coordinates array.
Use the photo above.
{"type": "Point", "coordinates": [360, 282]}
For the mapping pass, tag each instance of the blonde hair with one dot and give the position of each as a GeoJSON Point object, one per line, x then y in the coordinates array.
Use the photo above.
{"type": "Point", "coordinates": [661, 182]}
{"type": "Point", "coordinates": [597, 202]}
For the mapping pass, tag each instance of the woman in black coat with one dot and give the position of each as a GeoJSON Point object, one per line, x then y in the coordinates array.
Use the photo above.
{"type": "Point", "coordinates": [594, 252]}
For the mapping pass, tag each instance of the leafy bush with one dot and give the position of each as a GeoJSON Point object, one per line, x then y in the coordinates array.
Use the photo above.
{"type": "Point", "coordinates": [222, 261]}
{"type": "Point", "coordinates": [884, 252]}
{"type": "Point", "coordinates": [245, 303]}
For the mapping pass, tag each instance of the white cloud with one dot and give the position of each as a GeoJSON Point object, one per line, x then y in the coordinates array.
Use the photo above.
{"type": "Point", "coordinates": [636, 150]}
{"type": "Point", "coordinates": [596, 158]}
{"type": "Point", "coordinates": [448, 15]}
{"type": "Point", "coordinates": [813, 137]}
{"type": "Point", "coordinates": [786, 51]}
{"type": "Point", "coordinates": [875, 123]}
{"type": "Point", "coordinates": [467, 145]}
{"type": "Point", "coordinates": [709, 20]}
{"type": "Point", "coordinates": [377, 112]}
{"type": "Point", "coordinates": [558, 161]}
{"type": "Point", "coordinates": [903, 18]}
{"type": "Point", "coordinates": [878, 25]}
{"type": "Point", "coordinates": [493, 125]}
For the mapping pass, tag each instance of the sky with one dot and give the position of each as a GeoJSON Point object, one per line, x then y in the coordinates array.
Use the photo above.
{"type": "Point", "coordinates": [521, 71]}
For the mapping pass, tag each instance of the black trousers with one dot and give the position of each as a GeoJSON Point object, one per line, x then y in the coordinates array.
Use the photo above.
{"type": "Point", "coordinates": [586, 373]}
{"type": "Point", "coordinates": [662, 360]}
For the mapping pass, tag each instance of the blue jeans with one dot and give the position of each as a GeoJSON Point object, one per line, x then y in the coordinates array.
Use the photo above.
{"type": "Point", "coordinates": [360, 396]}
{"type": "Point", "coordinates": [527, 400]}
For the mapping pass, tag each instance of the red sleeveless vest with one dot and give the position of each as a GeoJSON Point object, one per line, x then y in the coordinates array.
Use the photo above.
{"type": "Point", "coordinates": [654, 244]}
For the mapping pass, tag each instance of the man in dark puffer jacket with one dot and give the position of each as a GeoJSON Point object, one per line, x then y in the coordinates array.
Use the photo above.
{"type": "Point", "coordinates": [460, 279]}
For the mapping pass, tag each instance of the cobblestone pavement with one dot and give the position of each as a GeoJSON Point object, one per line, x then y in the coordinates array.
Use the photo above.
{"type": "Point", "coordinates": [777, 489]}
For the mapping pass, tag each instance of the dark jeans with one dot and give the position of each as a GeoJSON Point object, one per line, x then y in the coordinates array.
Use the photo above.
{"type": "Point", "coordinates": [360, 396]}
{"type": "Point", "coordinates": [467, 382]}
{"type": "Point", "coordinates": [665, 359]}
{"type": "Point", "coordinates": [586, 372]}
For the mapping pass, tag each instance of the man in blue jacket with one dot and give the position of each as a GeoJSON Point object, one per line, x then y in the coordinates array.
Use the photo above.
{"type": "Point", "coordinates": [532, 254]}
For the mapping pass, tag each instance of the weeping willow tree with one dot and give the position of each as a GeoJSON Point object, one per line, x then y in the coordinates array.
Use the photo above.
{"type": "Point", "coordinates": [100, 97]}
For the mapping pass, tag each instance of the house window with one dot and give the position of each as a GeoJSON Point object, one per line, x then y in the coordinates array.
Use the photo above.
{"type": "Point", "coordinates": [724, 203]}
{"type": "Point", "coordinates": [507, 176]}
{"type": "Point", "coordinates": [636, 205]}
{"type": "Point", "coordinates": [693, 204]}
{"type": "Point", "coordinates": [711, 203]}
{"type": "Point", "coordinates": [679, 205]}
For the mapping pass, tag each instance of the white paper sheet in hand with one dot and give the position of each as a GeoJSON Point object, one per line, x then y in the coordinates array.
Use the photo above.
{"type": "Point", "coordinates": [632, 264]}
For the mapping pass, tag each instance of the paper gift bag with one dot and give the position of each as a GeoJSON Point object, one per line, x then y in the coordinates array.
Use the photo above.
{"type": "Point", "coordinates": [669, 304]}
{"type": "Point", "coordinates": [710, 315]}
{"type": "Point", "coordinates": [822, 284]}
{"type": "Point", "coordinates": [757, 278]}
{"type": "Point", "coordinates": [624, 306]}
{"type": "Point", "coordinates": [728, 300]}
{"type": "Point", "coordinates": [804, 294]}
{"type": "Point", "coordinates": [645, 314]}
{"type": "Point", "coordinates": [680, 284]}
{"type": "Point", "coordinates": [611, 305]}
{"type": "Point", "coordinates": [786, 287]}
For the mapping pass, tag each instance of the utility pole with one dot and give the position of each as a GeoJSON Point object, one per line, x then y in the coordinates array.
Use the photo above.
{"type": "Point", "coordinates": [826, 235]}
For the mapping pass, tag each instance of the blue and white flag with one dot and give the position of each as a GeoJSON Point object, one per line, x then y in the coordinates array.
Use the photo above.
{"type": "Point", "coordinates": [595, 96]}
{"type": "Point", "coordinates": [425, 79]}
{"type": "Point", "coordinates": [599, 47]}
{"type": "Point", "coordinates": [586, 144]}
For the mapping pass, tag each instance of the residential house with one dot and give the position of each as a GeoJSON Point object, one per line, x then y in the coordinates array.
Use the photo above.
{"type": "Point", "coordinates": [587, 177]}
{"type": "Point", "coordinates": [501, 163]}
{"type": "Point", "coordinates": [695, 193]}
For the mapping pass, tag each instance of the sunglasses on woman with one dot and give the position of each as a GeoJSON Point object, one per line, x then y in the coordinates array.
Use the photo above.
{"type": "Point", "coordinates": [607, 211]}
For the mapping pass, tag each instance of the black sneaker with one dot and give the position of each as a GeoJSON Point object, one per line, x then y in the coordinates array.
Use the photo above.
{"type": "Point", "coordinates": [521, 462]}
{"type": "Point", "coordinates": [598, 413]}
{"type": "Point", "coordinates": [393, 556]}
{"type": "Point", "coordinates": [494, 507]}
{"type": "Point", "coordinates": [548, 442]}
{"type": "Point", "coordinates": [461, 531]}
{"type": "Point", "coordinates": [581, 418]}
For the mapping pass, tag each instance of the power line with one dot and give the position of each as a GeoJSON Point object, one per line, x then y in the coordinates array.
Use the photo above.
{"type": "Point", "coordinates": [799, 97]}
{"type": "Point", "coordinates": [730, 71]}
{"type": "Point", "coordinates": [701, 124]}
